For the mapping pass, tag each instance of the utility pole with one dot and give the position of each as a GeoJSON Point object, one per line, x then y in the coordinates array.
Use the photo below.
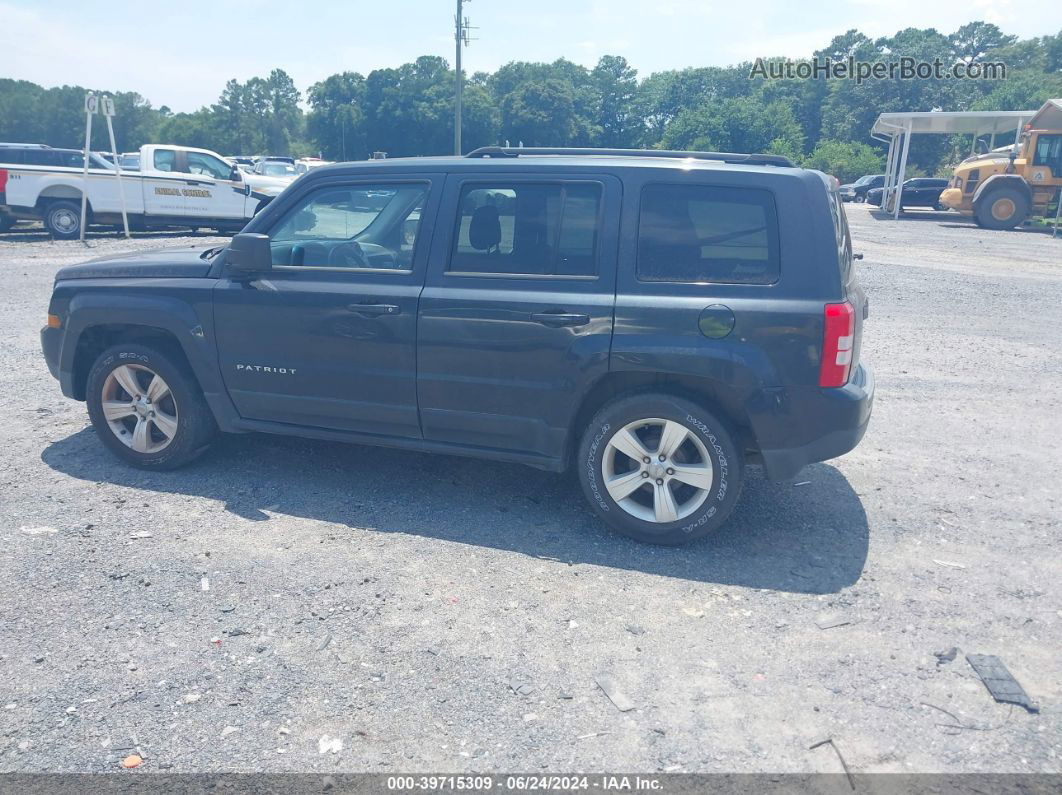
{"type": "Point", "coordinates": [461, 37]}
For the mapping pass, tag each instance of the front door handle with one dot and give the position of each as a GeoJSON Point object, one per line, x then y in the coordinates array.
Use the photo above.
{"type": "Point", "coordinates": [374, 310]}
{"type": "Point", "coordinates": [560, 319]}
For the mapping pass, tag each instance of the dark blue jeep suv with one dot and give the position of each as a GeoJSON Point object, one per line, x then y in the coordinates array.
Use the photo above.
{"type": "Point", "coordinates": [654, 320]}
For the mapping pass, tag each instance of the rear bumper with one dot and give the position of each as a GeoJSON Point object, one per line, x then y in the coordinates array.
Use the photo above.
{"type": "Point", "coordinates": [812, 425]}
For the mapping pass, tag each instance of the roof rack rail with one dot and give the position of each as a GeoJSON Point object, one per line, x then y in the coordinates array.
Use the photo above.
{"type": "Point", "coordinates": [725, 157]}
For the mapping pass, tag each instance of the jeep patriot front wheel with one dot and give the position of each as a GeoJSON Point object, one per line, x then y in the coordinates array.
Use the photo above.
{"type": "Point", "coordinates": [146, 408]}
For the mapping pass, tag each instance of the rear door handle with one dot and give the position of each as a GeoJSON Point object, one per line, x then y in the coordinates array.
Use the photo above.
{"type": "Point", "coordinates": [559, 319]}
{"type": "Point", "coordinates": [374, 310]}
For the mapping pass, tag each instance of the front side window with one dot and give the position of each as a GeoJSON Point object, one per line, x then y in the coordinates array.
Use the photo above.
{"type": "Point", "coordinates": [532, 228]}
{"type": "Point", "coordinates": [208, 165]}
{"type": "Point", "coordinates": [357, 226]}
{"type": "Point", "coordinates": [707, 234]}
{"type": "Point", "coordinates": [165, 160]}
{"type": "Point", "coordinates": [1049, 153]}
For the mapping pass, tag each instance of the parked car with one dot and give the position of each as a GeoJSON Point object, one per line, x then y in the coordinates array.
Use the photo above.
{"type": "Point", "coordinates": [304, 164]}
{"type": "Point", "coordinates": [279, 169]}
{"type": "Point", "coordinates": [42, 155]}
{"type": "Point", "coordinates": [129, 161]}
{"type": "Point", "coordinates": [915, 192]}
{"type": "Point", "coordinates": [652, 320]}
{"type": "Point", "coordinates": [857, 191]}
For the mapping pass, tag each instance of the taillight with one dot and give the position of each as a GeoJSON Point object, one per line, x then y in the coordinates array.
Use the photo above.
{"type": "Point", "coordinates": [838, 342]}
{"type": "Point", "coordinates": [3, 179]}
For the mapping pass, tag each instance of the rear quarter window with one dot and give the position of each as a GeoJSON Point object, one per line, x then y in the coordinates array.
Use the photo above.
{"type": "Point", "coordinates": [707, 234]}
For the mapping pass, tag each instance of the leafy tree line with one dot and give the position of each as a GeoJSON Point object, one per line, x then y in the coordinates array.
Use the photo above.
{"type": "Point", "coordinates": [408, 110]}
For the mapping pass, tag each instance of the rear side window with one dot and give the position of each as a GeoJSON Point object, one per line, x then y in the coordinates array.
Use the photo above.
{"type": "Point", "coordinates": [533, 228]}
{"type": "Point", "coordinates": [40, 157]}
{"type": "Point", "coordinates": [707, 234]}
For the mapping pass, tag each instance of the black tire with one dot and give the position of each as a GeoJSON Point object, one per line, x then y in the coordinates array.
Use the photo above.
{"type": "Point", "coordinates": [990, 211]}
{"type": "Point", "coordinates": [195, 425]}
{"type": "Point", "coordinates": [63, 219]}
{"type": "Point", "coordinates": [705, 431]}
{"type": "Point", "coordinates": [860, 199]}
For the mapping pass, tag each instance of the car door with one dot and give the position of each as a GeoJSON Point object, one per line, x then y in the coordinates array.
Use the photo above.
{"type": "Point", "coordinates": [163, 185]}
{"type": "Point", "coordinates": [516, 314]}
{"type": "Point", "coordinates": [327, 338]}
{"type": "Point", "coordinates": [211, 192]}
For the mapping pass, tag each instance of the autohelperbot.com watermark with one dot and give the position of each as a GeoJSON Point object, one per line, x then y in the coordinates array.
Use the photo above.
{"type": "Point", "coordinates": [902, 68]}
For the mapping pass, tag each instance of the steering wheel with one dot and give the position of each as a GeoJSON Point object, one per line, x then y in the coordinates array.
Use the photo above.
{"type": "Point", "coordinates": [348, 255]}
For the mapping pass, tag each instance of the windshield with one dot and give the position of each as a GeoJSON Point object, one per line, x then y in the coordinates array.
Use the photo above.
{"type": "Point", "coordinates": [278, 170]}
{"type": "Point", "coordinates": [864, 180]}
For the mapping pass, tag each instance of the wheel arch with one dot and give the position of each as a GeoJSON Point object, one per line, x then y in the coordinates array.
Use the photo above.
{"type": "Point", "coordinates": [713, 395]}
{"type": "Point", "coordinates": [94, 340]}
{"type": "Point", "coordinates": [997, 181]}
{"type": "Point", "coordinates": [59, 191]}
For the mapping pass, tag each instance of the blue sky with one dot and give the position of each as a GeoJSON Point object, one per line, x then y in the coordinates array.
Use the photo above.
{"type": "Point", "coordinates": [182, 54]}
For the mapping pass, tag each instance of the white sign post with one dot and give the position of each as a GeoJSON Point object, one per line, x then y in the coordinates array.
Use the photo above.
{"type": "Point", "coordinates": [91, 106]}
{"type": "Point", "coordinates": [107, 106]}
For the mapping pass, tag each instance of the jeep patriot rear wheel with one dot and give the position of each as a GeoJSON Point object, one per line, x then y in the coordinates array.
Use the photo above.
{"type": "Point", "coordinates": [660, 469]}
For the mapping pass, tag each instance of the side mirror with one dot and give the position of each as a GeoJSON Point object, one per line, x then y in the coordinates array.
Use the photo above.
{"type": "Point", "coordinates": [234, 174]}
{"type": "Point", "coordinates": [249, 253]}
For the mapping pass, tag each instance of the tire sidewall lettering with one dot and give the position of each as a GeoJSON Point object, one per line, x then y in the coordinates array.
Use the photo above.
{"type": "Point", "coordinates": [591, 468]}
{"type": "Point", "coordinates": [720, 462]}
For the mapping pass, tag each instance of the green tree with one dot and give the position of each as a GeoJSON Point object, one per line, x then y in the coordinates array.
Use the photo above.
{"type": "Point", "coordinates": [844, 159]}
{"type": "Point", "coordinates": [617, 84]}
{"type": "Point", "coordinates": [540, 114]}
{"type": "Point", "coordinates": [974, 40]}
{"type": "Point", "coordinates": [737, 125]}
{"type": "Point", "coordinates": [336, 123]}
{"type": "Point", "coordinates": [283, 115]}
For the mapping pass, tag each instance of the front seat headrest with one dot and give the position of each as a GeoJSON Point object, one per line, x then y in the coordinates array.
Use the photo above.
{"type": "Point", "coordinates": [484, 230]}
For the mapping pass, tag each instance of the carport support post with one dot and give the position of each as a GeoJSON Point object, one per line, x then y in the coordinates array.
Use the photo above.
{"type": "Point", "coordinates": [903, 167]}
{"type": "Point", "coordinates": [890, 172]}
{"type": "Point", "coordinates": [1058, 213]}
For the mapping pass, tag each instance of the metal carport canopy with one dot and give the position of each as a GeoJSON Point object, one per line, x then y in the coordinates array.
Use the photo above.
{"type": "Point", "coordinates": [896, 130]}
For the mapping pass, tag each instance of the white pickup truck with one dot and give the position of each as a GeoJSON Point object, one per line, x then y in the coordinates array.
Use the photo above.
{"type": "Point", "coordinates": [176, 186]}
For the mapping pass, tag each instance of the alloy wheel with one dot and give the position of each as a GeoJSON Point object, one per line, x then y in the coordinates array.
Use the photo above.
{"type": "Point", "coordinates": [657, 470]}
{"type": "Point", "coordinates": [139, 408]}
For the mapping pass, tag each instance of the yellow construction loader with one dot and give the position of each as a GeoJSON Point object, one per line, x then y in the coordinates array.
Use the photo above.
{"type": "Point", "coordinates": [1001, 190]}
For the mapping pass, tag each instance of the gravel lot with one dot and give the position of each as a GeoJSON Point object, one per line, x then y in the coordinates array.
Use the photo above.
{"type": "Point", "coordinates": [437, 613]}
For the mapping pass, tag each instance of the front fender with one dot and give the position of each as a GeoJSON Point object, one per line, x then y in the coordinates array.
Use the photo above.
{"type": "Point", "coordinates": [187, 321]}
